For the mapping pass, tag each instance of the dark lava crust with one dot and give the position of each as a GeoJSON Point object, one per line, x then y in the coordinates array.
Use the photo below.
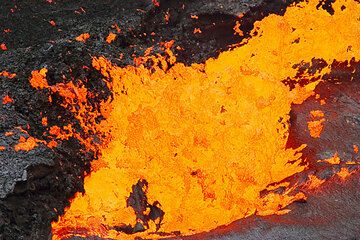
{"type": "Point", "coordinates": [36, 186]}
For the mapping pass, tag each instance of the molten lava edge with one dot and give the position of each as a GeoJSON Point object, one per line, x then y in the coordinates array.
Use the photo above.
{"type": "Point", "coordinates": [190, 148]}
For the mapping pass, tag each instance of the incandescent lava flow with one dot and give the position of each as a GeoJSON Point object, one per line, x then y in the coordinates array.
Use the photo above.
{"type": "Point", "coordinates": [190, 148]}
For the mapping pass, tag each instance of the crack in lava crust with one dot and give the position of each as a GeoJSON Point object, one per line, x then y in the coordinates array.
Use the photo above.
{"type": "Point", "coordinates": [208, 138]}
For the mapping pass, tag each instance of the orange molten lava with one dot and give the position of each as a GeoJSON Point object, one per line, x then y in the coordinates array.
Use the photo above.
{"type": "Point", "coordinates": [316, 124]}
{"type": "Point", "coordinates": [356, 149]}
{"type": "Point", "coordinates": [26, 144]}
{"type": "Point", "coordinates": [7, 99]}
{"type": "Point", "coordinates": [111, 37]}
{"type": "Point", "coordinates": [7, 74]}
{"type": "Point", "coordinates": [83, 37]}
{"type": "Point", "coordinates": [210, 137]}
{"type": "Point", "coordinates": [38, 79]}
{"type": "Point", "coordinates": [3, 47]}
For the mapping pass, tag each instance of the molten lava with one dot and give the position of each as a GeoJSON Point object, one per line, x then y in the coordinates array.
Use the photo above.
{"type": "Point", "coordinates": [316, 124]}
{"type": "Point", "coordinates": [38, 79]}
{"type": "Point", "coordinates": [83, 37]}
{"type": "Point", "coordinates": [200, 143]}
{"type": "Point", "coordinates": [26, 144]}
{"type": "Point", "coordinates": [7, 99]}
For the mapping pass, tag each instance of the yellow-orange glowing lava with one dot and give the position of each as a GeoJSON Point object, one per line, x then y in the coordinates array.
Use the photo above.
{"type": "Point", "coordinates": [83, 37]}
{"type": "Point", "coordinates": [316, 124]}
{"type": "Point", "coordinates": [210, 137]}
{"type": "Point", "coordinates": [26, 144]}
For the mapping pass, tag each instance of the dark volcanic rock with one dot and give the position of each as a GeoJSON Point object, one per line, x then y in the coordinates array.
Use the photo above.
{"type": "Point", "coordinates": [342, 114]}
{"type": "Point", "coordinates": [216, 20]}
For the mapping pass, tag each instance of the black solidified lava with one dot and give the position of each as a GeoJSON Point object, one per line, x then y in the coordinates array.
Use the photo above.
{"type": "Point", "coordinates": [139, 202]}
{"type": "Point", "coordinates": [36, 186]}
